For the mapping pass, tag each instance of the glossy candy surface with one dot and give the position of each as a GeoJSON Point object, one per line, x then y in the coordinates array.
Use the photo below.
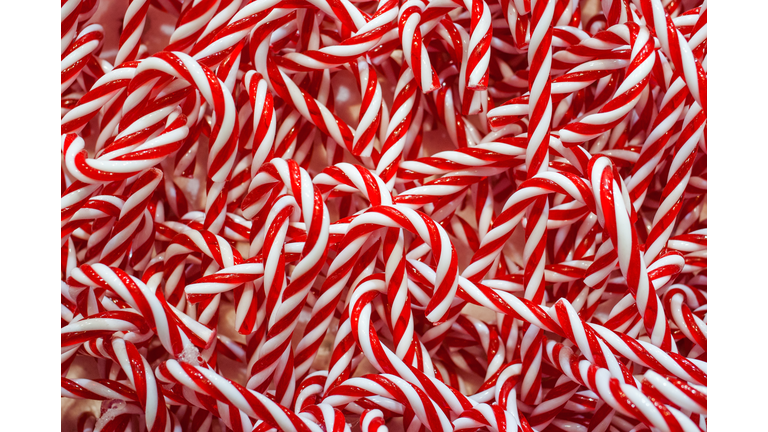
{"type": "Point", "coordinates": [311, 215]}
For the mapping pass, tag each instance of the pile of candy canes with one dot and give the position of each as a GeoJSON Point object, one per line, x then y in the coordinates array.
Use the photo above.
{"type": "Point", "coordinates": [499, 224]}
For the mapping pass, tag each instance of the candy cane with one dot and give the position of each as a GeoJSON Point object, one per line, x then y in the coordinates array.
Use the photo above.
{"type": "Point", "coordinates": [624, 398]}
{"type": "Point", "coordinates": [630, 260]}
{"type": "Point", "coordinates": [491, 416]}
{"type": "Point", "coordinates": [148, 390]}
{"type": "Point", "coordinates": [373, 421]}
{"type": "Point", "coordinates": [414, 51]}
{"type": "Point", "coordinates": [676, 301]}
{"type": "Point", "coordinates": [70, 13]}
{"type": "Point", "coordinates": [250, 403]}
{"type": "Point", "coordinates": [131, 214]}
{"type": "Point", "coordinates": [264, 121]}
{"type": "Point", "coordinates": [310, 108]}
{"type": "Point", "coordinates": [627, 95]}
{"type": "Point", "coordinates": [192, 21]}
{"type": "Point", "coordinates": [676, 48]}
{"type": "Point", "coordinates": [640, 352]}
{"type": "Point", "coordinates": [213, 247]}
{"type": "Point", "coordinates": [657, 141]}
{"type": "Point", "coordinates": [513, 211]}
{"type": "Point", "coordinates": [390, 282]}
{"type": "Point", "coordinates": [537, 161]}
{"type": "Point", "coordinates": [105, 89]}
{"type": "Point", "coordinates": [371, 109]}
{"type": "Point", "coordinates": [173, 330]}
{"type": "Point", "coordinates": [124, 165]}
{"type": "Point", "coordinates": [77, 54]}
{"type": "Point", "coordinates": [679, 176]}
{"type": "Point", "coordinates": [680, 393]}
{"type": "Point", "coordinates": [133, 25]}
{"type": "Point", "coordinates": [96, 389]}
{"type": "Point", "coordinates": [224, 133]}
{"type": "Point", "coordinates": [224, 12]}
{"type": "Point", "coordinates": [365, 38]}
{"type": "Point", "coordinates": [401, 116]}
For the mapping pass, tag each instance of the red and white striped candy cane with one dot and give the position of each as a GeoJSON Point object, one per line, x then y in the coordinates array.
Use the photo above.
{"type": "Point", "coordinates": [613, 211]}
{"type": "Point", "coordinates": [616, 11]}
{"type": "Point", "coordinates": [448, 113]}
{"type": "Point", "coordinates": [678, 300]}
{"type": "Point", "coordinates": [414, 51]}
{"type": "Point", "coordinates": [310, 389]}
{"type": "Point", "coordinates": [224, 134]}
{"type": "Point", "coordinates": [407, 345]}
{"type": "Point", "coordinates": [386, 362]}
{"type": "Point", "coordinates": [610, 261]}
{"type": "Point", "coordinates": [229, 415]}
{"type": "Point", "coordinates": [626, 96]}
{"type": "Point", "coordinates": [404, 105]}
{"type": "Point", "coordinates": [125, 164]}
{"type": "Point", "coordinates": [494, 417]}
{"type": "Point", "coordinates": [77, 54]}
{"type": "Point", "coordinates": [104, 324]}
{"type": "Point", "coordinates": [479, 46]}
{"type": "Point", "coordinates": [507, 153]}
{"type": "Point", "coordinates": [553, 403]}
{"type": "Point", "coordinates": [70, 12]}
{"type": "Point", "coordinates": [192, 21]}
{"type": "Point", "coordinates": [384, 389]}
{"type": "Point", "coordinates": [225, 10]}
{"type": "Point", "coordinates": [660, 272]}
{"type": "Point", "coordinates": [542, 184]}
{"type": "Point", "coordinates": [98, 389]}
{"type": "Point", "coordinates": [640, 352]}
{"type": "Point", "coordinates": [365, 38]}
{"type": "Point", "coordinates": [358, 232]}
{"type": "Point", "coordinates": [308, 203]}
{"type": "Point", "coordinates": [591, 59]}
{"type": "Point", "coordinates": [310, 108]}
{"type": "Point", "coordinates": [698, 38]}
{"type": "Point", "coordinates": [217, 253]}
{"type": "Point", "coordinates": [331, 419]}
{"type": "Point", "coordinates": [594, 349]}
{"type": "Point", "coordinates": [537, 162]}
{"type": "Point", "coordinates": [373, 117]}
{"type": "Point", "coordinates": [227, 279]}
{"type": "Point", "coordinates": [343, 178]}
{"type": "Point", "coordinates": [345, 357]}
{"type": "Point", "coordinates": [96, 236]}
{"type": "Point", "coordinates": [264, 120]}
{"type": "Point", "coordinates": [679, 393]}
{"type": "Point", "coordinates": [372, 420]}
{"type": "Point", "coordinates": [117, 416]}
{"type": "Point", "coordinates": [131, 214]}
{"type": "Point", "coordinates": [648, 355]}
{"type": "Point", "coordinates": [101, 206]}
{"type": "Point", "coordinates": [679, 175]}
{"type": "Point", "coordinates": [624, 398]}
{"type": "Point", "coordinates": [658, 142]}
{"type": "Point", "coordinates": [148, 390]}
{"type": "Point", "coordinates": [440, 197]}
{"type": "Point", "coordinates": [101, 93]}
{"type": "Point", "coordinates": [133, 26]}
{"type": "Point", "coordinates": [249, 402]}
{"type": "Point", "coordinates": [264, 360]}
{"type": "Point", "coordinates": [675, 46]}
{"type": "Point", "coordinates": [172, 329]}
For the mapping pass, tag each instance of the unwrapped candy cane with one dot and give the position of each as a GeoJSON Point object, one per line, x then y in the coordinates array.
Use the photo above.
{"type": "Point", "coordinates": [384, 215]}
